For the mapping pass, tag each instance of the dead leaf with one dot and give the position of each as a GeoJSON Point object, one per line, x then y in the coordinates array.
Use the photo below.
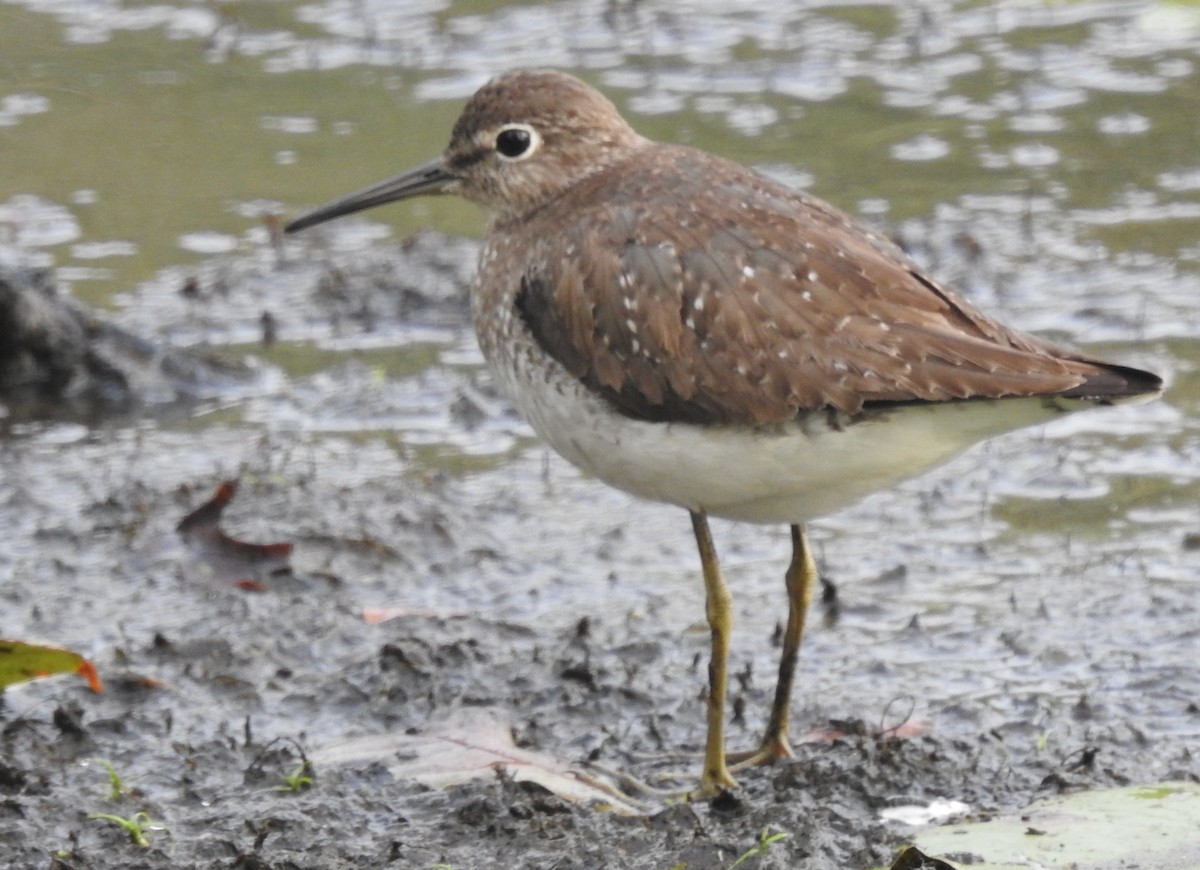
{"type": "Point", "coordinates": [241, 562]}
{"type": "Point", "coordinates": [460, 753]}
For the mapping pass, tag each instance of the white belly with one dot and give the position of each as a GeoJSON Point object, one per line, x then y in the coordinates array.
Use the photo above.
{"type": "Point", "coordinates": [789, 473]}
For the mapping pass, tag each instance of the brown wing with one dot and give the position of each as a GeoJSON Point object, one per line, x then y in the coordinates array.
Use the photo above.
{"type": "Point", "coordinates": [699, 291]}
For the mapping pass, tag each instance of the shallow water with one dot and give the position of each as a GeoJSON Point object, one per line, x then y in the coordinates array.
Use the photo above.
{"type": "Point", "coordinates": [154, 136]}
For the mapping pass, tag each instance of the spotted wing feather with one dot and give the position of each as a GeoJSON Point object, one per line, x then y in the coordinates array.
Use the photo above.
{"type": "Point", "coordinates": [701, 292]}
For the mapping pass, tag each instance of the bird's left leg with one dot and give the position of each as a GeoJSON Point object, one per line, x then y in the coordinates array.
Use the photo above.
{"type": "Point", "coordinates": [801, 579]}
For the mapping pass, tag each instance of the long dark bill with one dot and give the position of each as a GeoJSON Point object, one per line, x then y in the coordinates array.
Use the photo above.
{"type": "Point", "coordinates": [428, 178]}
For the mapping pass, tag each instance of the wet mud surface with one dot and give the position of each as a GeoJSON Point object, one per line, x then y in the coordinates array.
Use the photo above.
{"type": "Point", "coordinates": [972, 652]}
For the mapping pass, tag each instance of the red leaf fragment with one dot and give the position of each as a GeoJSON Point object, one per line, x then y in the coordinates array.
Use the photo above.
{"type": "Point", "coordinates": [87, 670]}
{"type": "Point", "coordinates": [229, 556]}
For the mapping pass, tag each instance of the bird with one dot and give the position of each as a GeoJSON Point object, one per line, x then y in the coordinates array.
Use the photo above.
{"type": "Point", "coordinates": [692, 332]}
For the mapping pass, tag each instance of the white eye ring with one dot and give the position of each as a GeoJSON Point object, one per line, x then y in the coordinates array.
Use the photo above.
{"type": "Point", "coordinates": [516, 142]}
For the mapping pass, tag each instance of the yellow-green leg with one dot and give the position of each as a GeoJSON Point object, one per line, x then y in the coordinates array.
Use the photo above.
{"type": "Point", "coordinates": [801, 578]}
{"type": "Point", "coordinates": [716, 776]}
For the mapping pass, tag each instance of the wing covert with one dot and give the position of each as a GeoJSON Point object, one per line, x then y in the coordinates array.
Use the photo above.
{"type": "Point", "coordinates": [676, 306]}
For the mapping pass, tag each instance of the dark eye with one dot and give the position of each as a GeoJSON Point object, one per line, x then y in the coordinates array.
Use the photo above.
{"type": "Point", "coordinates": [514, 141]}
{"type": "Point", "coordinates": [517, 142]}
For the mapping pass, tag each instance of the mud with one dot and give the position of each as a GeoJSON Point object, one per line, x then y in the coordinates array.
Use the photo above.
{"type": "Point", "coordinates": [958, 658]}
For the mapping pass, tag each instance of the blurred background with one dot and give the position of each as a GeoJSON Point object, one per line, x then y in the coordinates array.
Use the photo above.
{"type": "Point", "coordinates": [140, 136]}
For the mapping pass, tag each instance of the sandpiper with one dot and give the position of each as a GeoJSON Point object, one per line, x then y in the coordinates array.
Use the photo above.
{"type": "Point", "coordinates": [692, 332]}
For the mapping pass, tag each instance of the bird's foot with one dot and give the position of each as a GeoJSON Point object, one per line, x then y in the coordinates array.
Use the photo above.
{"type": "Point", "coordinates": [715, 781]}
{"type": "Point", "coordinates": [629, 795]}
{"type": "Point", "coordinates": [631, 786]}
{"type": "Point", "coordinates": [774, 748]}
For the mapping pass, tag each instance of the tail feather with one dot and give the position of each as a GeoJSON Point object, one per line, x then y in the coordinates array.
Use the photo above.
{"type": "Point", "coordinates": [1113, 383]}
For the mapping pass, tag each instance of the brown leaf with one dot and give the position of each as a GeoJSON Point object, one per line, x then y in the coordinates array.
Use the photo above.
{"type": "Point", "coordinates": [225, 555]}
